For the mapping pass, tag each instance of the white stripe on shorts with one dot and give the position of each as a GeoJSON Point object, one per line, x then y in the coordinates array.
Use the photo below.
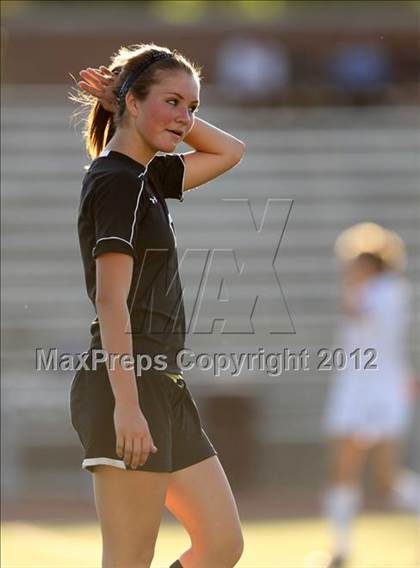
{"type": "Point", "coordinates": [102, 461]}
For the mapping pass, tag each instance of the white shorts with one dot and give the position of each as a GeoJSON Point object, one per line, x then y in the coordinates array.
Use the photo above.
{"type": "Point", "coordinates": [367, 409]}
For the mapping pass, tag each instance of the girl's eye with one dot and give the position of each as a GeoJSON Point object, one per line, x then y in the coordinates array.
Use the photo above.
{"type": "Point", "coordinates": [174, 102]}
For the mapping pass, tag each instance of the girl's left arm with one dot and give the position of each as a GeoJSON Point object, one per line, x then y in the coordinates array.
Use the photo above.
{"type": "Point", "coordinates": [215, 152]}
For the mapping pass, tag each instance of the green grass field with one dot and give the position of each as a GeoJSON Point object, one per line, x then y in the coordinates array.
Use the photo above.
{"type": "Point", "coordinates": [386, 541]}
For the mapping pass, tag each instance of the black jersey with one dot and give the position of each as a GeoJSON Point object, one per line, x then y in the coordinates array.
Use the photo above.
{"type": "Point", "coordinates": [123, 209]}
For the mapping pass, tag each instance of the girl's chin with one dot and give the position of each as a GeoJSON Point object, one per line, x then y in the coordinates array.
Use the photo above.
{"type": "Point", "coordinates": [167, 147]}
{"type": "Point", "coordinates": [164, 143]}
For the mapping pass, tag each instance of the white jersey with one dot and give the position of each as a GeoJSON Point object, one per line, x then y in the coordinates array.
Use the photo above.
{"type": "Point", "coordinates": [366, 401]}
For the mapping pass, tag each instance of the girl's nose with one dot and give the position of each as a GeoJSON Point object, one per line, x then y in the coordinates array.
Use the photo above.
{"type": "Point", "coordinates": [184, 115]}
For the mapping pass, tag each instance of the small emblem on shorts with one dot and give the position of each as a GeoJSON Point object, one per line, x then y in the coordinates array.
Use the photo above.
{"type": "Point", "coordinates": [153, 199]}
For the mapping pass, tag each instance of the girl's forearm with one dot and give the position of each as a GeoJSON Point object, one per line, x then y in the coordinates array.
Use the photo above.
{"type": "Point", "coordinates": [204, 137]}
{"type": "Point", "coordinates": [117, 338]}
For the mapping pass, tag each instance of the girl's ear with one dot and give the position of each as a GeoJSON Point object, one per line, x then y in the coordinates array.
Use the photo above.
{"type": "Point", "coordinates": [132, 104]}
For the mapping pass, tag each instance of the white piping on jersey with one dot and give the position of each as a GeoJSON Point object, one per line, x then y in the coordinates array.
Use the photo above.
{"type": "Point", "coordinates": [118, 238]}
{"type": "Point", "coordinates": [137, 205]}
{"type": "Point", "coordinates": [183, 177]}
{"type": "Point", "coordinates": [171, 225]}
{"type": "Point", "coordinates": [135, 212]}
{"type": "Point", "coordinates": [103, 461]}
{"type": "Point", "coordinates": [105, 153]}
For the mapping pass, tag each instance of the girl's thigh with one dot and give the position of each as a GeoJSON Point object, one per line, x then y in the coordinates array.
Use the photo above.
{"type": "Point", "coordinates": [200, 497]}
{"type": "Point", "coordinates": [385, 463]}
{"type": "Point", "coordinates": [129, 505]}
{"type": "Point", "coordinates": [348, 459]}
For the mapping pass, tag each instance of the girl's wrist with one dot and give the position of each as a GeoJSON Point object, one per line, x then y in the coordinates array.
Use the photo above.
{"type": "Point", "coordinates": [123, 402]}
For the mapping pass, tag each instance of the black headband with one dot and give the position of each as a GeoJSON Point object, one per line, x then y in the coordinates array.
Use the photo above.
{"type": "Point", "coordinates": [139, 68]}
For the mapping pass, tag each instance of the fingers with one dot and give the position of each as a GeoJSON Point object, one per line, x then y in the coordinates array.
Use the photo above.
{"type": "Point", "coordinates": [147, 447]}
{"type": "Point", "coordinates": [128, 451]}
{"type": "Point", "coordinates": [120, 446]}
{"type": "Point", "coordinates": [137, 451]}
{"type": "Point", "coordinates": [97, 76]}
{"type": "Point", "coordinates": [110, 104]}
{"type": "Point", "coordinates": [106, 72]}
{"type": "Point", "coordinates": [103, 79]}
{"type": "Point", "coordinates": [144, 453]}
{"type": "Point", "coordinates": [99, 87]}
{"type": "Point", "coordinates": [89, 89]}
{"type": "Point", "coordinates": [92, 79]}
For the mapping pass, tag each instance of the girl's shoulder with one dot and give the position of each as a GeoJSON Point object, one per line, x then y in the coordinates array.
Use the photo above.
{"type": "Point", "coordinates": [106, 170]}
{"type": "Point", "coordinates": [166, 173]}
{"type": "Point", "coordinates": [161, 164]}
{"type": "Point", "coordinates": [111, 184]}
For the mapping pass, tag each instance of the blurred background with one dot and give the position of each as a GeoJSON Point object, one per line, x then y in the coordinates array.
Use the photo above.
{"type": "Point", "coordinates": [326, 97]}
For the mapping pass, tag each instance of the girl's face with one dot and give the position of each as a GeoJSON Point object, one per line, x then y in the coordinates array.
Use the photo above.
{"type": "Point", "coordinates": [166, 116]}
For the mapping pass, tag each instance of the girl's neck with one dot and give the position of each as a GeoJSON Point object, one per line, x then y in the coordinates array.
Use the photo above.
{"type": "Point", "coordinates": [132, 146]}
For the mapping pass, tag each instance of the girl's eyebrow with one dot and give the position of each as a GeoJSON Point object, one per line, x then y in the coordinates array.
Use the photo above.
{"type": "Point", "coordinates": [180, 96]}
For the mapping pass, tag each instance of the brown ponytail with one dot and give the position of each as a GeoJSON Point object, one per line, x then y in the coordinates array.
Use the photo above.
{"type": "Point", "coordinates": [99, 129]}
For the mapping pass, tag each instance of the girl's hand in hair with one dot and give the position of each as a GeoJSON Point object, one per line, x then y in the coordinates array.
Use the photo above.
{"type": "Point", "coordinates": [100, 83]}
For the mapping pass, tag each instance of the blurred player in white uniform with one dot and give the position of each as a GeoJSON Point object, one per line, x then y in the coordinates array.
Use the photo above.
{"type": "Point", "coordinates": [369, 407]}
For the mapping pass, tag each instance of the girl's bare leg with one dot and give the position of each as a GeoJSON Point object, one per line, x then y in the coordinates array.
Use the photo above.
{"type": "Point", "coordinates": [129, 505]}
{"type": "Point", "coordinates": [386, 458]}
{"type": "Point", "coordinates": [342, 499]}
{"type": "Point", "coordinates": [402, 487]}
{"type": "Point", "coordinates": [348, 460]}
{"type": "Point", "coordinates": [201, 499]}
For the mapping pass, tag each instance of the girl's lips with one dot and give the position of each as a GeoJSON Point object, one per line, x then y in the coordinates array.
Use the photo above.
{"type": "Point", "coordinates": [174, 133]}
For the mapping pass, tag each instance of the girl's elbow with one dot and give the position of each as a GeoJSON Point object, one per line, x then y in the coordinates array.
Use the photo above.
{"type": "Point", "coordinates": [238, 152]}
{"type": "Point", "coordinates": [108, 301]}
{"type": "Point", "coordinates": [102, 303]}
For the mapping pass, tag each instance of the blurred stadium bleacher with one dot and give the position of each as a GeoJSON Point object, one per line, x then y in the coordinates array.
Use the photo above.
{"type": "Point", "coordinates": [337, 165]}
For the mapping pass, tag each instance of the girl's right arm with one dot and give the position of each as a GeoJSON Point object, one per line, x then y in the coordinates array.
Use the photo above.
{"type": "Point", "coordinates": [113, 278]}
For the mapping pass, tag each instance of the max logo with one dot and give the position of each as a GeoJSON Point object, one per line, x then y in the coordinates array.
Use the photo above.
{"type": "Point", "coordinates": [235, 289]}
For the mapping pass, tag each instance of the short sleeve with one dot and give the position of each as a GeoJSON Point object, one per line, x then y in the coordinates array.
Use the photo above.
{"type": "Point", "coordinates": [168, 171]}
{"type": "Point", "coordinates": [116, 209]}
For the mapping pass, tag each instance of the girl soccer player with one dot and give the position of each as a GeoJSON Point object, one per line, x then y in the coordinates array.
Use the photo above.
{"type": "Point", "coordinates": [141, 432]}
{"type": "Point", "coordinates": [369, 404]}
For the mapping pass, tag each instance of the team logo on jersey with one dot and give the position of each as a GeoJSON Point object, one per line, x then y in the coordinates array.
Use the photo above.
{"type": "Point", "coordinates": [153, 199]}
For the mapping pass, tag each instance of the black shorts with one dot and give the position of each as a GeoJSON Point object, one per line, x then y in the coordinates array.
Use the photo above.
{"type": "Point", "coordinates": [167, 405]}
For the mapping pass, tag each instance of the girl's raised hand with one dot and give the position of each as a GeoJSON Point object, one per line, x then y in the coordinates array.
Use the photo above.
{"type": "Point", "coordinates": [100, 83]}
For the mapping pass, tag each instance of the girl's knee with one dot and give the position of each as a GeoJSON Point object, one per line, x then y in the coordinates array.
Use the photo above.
{"type": "Point", "coordinates": [225, 550]}
{"type": "Point", "coordinates": [237, 548]}
{"type": "Point", "coordinates": [233, 547]}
